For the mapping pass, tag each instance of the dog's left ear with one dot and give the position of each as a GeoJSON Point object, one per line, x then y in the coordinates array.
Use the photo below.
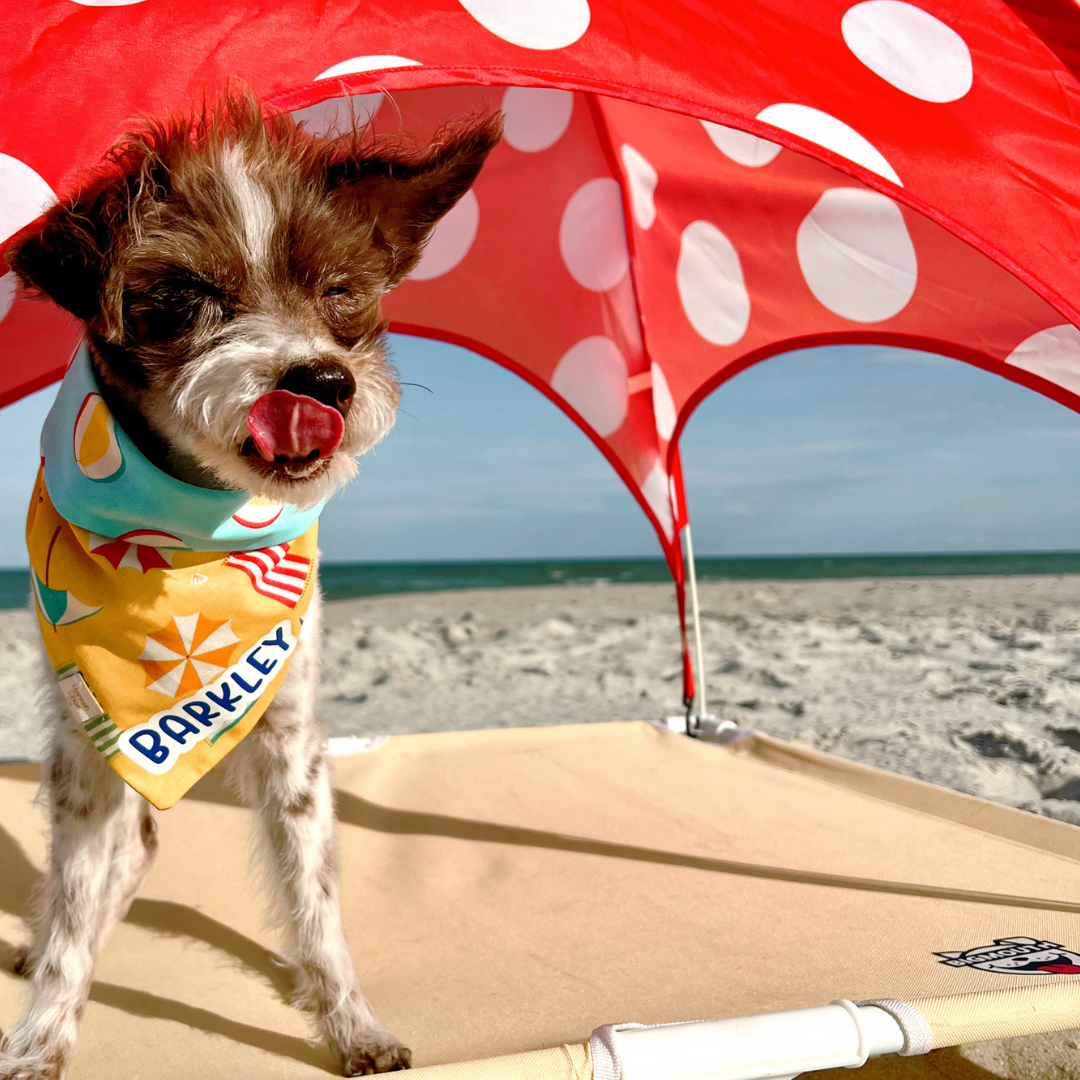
{"type": "Point", "coordinates": [64, 259]}
{"type": "Point", "coordinates": [406, 196]}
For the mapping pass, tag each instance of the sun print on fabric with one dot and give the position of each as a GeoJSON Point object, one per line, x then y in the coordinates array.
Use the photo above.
{"type": "Point", "coordinates": [186, 654]}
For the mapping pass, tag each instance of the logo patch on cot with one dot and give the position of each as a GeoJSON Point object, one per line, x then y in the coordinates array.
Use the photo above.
{"type": "Point", "coordinates": [157, 745]}
{"type": "Point", "coordinates": [1017, 956]}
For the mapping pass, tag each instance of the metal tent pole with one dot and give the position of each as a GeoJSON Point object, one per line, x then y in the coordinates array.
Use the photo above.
{"type": "Point", "coordinates": [699, 705]}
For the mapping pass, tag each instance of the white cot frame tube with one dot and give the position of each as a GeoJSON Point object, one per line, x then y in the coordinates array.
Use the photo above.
{"type": "Point", "coordinates": [775, 1046]}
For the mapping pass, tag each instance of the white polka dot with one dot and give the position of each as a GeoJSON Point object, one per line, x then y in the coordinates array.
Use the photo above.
{"type": "Point", "coordinates": [856, 255]}
{"type": "Point", "coordinates": [592, 235]}
{"type": "Point", "coordinates": [711, 286]}
{"type": "Point", "coordinates": [8, 286]}
{"type": "Point", "coordinates": [741, 146]}
{"type": "Point", "coordinates": [332, 117]}
{"type": "Point", "coordinates": [663, 404]}
{"type": "Point", "coordinates": [535, 117]}
{"type": "Point", "coordinates": [360, 64]}
{"type": "Point", "coordinates": [825, 130]}
{"type": "Point", "coordinates": [674, 495]}
{"type": "Point", "coordinates": [1054, 354]}
{"type": "Point", "coordinates": [23, 195]}
{"type": "Point", "coordinates": [643, 179]}
{"type": "Point", "coordinates": [591, 377]}
{"type": "Point", "coordinates": [909, 48]}
{"type": "Point", "coordinates": [107, 3]}
{"type": "Point", "coordinates": [532, 24]}
{"type": "Point", "coordinates": [450, 240]}
{"type": "Point", "coordinates": [655, 490]}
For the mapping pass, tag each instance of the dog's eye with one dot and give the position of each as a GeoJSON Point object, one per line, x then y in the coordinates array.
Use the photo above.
{"type": "Point", "coordinates": [336, 290]}
{"type": "Point", "coordinates": [199, 294]}
{"type": "Point", "coordinates": [199, 289]}
{"type": "Point", "coordinates": [175, 304]}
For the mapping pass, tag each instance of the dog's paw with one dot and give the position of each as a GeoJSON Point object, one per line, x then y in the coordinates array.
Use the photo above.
{"type": "Point", "coordinates": [15, 959]}
{"type": "Point", "coordinates": [20, 1067]}
{"type": "Point", "coordinates": [21, 962]}
{"type": "Point", "coordinates": [377, 1053]}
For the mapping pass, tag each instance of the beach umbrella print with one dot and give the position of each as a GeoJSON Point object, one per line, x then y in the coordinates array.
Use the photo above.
{"type": "Point", "coordinates": [59, 606]}
{"type": "Point", "coordinates": [684, 189]}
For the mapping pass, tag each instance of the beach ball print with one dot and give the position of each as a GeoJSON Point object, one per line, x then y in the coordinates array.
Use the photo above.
{"type": "Point", "coordinates": [258, 513]}
{"type": "Point", "coordinates": [97, 453]}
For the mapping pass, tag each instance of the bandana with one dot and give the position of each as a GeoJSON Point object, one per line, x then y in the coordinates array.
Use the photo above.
{"type": "Point", "coordinates": [170, 612]}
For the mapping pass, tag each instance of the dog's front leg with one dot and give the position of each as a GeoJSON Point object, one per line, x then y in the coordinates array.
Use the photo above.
{"type": "Point", "coordinates": [102, 843]}
{"type": "Point", "coordinates": [287, 777]}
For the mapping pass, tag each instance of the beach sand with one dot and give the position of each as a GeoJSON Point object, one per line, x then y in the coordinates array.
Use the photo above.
{"type": "Point", "coordinates": [970, 682]}
{"type": "Point", "coordinates": [973, 683]}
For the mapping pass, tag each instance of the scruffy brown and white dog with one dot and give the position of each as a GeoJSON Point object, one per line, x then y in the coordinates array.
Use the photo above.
{"type": "Point", "coordinates": [212, 261]}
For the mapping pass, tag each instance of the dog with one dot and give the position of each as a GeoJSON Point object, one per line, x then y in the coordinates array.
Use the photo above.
{"type": "Point", "coordinates": [214, 260]}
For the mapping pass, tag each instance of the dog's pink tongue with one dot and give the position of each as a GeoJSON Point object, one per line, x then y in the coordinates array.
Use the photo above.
{"type": "Point", "coordinates": [290, 425]}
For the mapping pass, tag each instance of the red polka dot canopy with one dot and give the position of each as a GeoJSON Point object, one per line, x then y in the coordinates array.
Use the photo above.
{"type": "Point", "coordinates": [684, 189]}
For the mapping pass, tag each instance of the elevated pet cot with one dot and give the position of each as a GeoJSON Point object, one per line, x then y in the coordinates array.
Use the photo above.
{"type": "Point", "coordinates": [684, 190]}
{"type": "Point", "coordinates": [511, 891]}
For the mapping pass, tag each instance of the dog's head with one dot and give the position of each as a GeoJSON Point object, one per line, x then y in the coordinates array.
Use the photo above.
{"type": "Point", "coordinates": [229, 270]}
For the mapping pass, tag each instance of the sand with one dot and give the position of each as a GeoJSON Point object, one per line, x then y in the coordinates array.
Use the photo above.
{"type": "Point", "coordinates": [973, 683]}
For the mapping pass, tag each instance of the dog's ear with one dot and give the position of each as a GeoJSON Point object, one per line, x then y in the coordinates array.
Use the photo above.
{"type": "Point", "coordinates": [65, 257]}
{"type": "Point", "coordinates": [405, 196]}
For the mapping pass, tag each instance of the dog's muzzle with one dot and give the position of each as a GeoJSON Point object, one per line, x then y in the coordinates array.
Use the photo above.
{"type": "Point", "coordinates": [329, 383]}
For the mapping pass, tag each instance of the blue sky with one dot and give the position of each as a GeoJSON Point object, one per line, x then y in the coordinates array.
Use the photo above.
{"type": "Point", "coordinates": [856, 449]}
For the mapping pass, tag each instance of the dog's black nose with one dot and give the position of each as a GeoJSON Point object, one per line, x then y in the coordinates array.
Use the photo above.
{"type": "Point", "coordinates": [330, 383]}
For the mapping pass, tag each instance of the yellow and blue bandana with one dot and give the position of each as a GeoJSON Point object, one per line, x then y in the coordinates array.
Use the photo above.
{"type": "Point", "coordinates": [170, 612]}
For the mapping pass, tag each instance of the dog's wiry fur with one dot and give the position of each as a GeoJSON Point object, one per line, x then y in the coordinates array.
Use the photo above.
{"type": "Point", "coordinates": [213, 260]}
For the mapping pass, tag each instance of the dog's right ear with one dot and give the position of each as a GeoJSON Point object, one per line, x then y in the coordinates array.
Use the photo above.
{"type": "Point", "coordinates": [66, 256]}
{"type": "Point", "coordinates": [405, 195]}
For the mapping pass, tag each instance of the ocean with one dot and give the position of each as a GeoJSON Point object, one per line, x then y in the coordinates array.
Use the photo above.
{"type": "Point", "coordinates": [343, 580]}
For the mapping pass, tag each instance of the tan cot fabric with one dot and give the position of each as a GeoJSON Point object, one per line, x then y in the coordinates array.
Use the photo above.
{"type": "Point", "coordinates": [511, 890]}
{"type": "Point", "coordinates": [571, 1061]}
